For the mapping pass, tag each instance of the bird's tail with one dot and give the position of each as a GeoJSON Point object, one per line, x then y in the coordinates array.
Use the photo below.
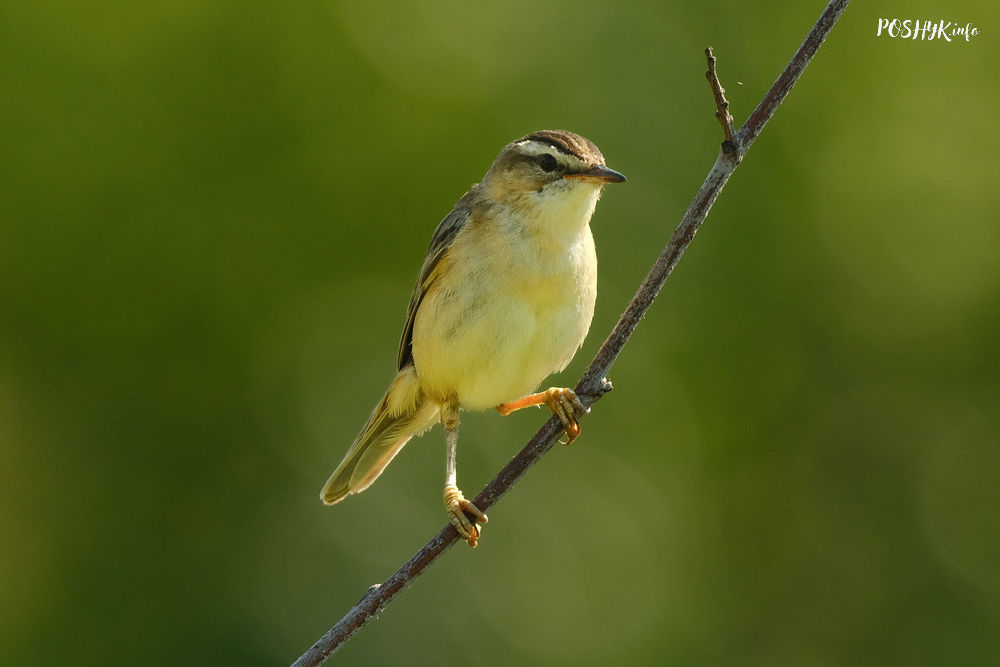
{"type": "Point", "coordinates": [402, 413]}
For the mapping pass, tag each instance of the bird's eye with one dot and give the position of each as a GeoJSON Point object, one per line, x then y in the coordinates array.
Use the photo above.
{"type": "Point", "coordinates": [547, 162]}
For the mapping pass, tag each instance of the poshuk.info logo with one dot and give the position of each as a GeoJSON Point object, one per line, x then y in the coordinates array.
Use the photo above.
{"type": "Point", "coordinates": [926, 30]}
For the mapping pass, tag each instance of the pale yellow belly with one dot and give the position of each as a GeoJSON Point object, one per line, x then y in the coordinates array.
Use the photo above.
{"type": "Point", "coordinates": [492, 335]}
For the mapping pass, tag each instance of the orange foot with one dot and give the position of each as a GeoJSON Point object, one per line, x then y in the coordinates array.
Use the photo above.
{"type": "Point", "coordinates": [563, 402]}
{"type": "Point", "coordinates": [457, 506]}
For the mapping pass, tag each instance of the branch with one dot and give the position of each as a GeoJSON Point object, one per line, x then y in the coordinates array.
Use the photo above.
{"type": "Point", "coordinates": [722, 114]}
{"type": "Point", "coordinates": [592, 385]}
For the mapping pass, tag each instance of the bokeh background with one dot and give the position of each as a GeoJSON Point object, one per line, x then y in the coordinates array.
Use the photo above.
{"type": "Point", "coordinates": [211, 216]}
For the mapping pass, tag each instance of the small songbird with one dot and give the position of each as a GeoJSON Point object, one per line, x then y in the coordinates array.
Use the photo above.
{"type": "Point", "coordinates": [503, 300]}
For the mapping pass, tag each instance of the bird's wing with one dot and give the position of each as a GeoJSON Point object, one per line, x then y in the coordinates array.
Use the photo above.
{"type": "Point", "coordinates": [442, 239]}
{"type": "Point", "coordinates": [401, 414]}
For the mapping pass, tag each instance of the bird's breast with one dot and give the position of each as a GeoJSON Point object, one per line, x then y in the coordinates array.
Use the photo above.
{"type": "Point", "coordinates": [506, 309]}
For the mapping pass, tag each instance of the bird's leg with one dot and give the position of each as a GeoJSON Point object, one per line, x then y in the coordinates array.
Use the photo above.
{"type": "Point", "coordinates": [563, 402]}
{"type": "Point", "coordinates": [454, 501]}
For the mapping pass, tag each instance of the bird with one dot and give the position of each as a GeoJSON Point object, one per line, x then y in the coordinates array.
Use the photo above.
{"type": "Point", "coordinates": [504, 298]}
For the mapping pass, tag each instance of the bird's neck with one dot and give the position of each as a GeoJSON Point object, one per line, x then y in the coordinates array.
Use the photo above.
{"type": "Point", "coordinates": [561, 214]}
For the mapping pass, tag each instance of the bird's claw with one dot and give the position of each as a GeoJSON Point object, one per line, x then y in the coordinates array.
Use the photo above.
{"type": "Point", "coordinates": [459, 509]}
{"type": "Point", "coordinates": [566, 405]}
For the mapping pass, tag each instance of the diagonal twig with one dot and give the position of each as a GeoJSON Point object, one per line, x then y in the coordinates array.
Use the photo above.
{"type": "Point", "coordinates": [592, 385]}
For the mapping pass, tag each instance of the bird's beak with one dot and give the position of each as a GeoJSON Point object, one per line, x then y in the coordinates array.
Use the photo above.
{"type": "Point", "coordinates": [598, 174]}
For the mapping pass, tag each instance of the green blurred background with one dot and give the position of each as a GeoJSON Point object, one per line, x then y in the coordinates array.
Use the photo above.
{"type": "Point", "coordinates": [211, 216]}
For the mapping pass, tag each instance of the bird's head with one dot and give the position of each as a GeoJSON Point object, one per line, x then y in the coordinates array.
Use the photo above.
{"type": "Point", "coordinates": [552, 178]}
